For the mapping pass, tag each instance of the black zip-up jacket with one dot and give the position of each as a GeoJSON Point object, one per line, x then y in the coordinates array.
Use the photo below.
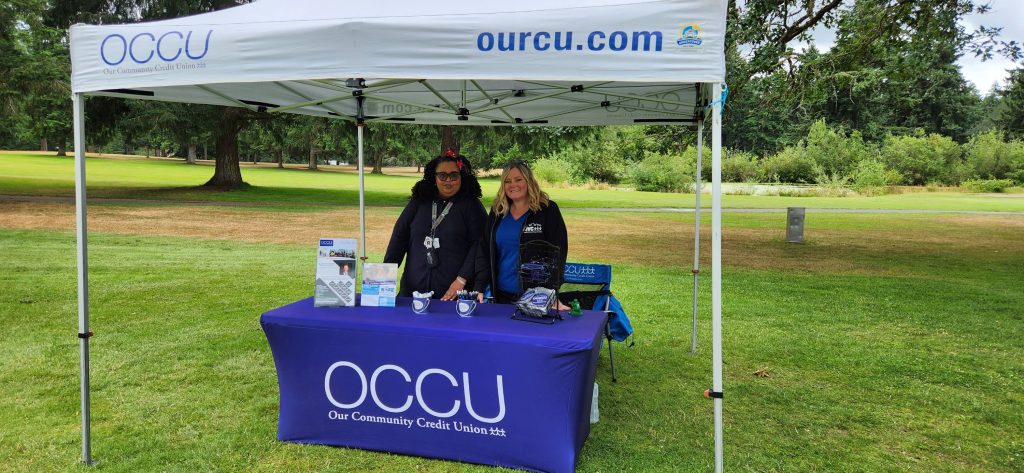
{"type": "Point", "coordinates": [546, 224]}
{"type": "Point", "coordinates": [459, 234]}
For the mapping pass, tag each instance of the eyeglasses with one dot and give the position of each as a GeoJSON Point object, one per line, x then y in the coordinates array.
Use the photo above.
{"type": "Point", "coordinates": [449, 176]}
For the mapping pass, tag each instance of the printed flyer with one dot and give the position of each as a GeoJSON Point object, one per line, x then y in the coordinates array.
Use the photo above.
{"type": "Point", "coordinates": [335, 273]}
{"type": "Point", "coordinates": [380, 282]}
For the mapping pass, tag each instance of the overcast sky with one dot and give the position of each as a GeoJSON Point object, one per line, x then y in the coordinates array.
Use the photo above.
{"type": "Point", "coordinates": [1008, 14]}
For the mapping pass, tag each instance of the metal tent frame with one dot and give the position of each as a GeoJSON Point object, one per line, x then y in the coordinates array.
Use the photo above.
{"type": "Point", "coordinates": [275, 56]}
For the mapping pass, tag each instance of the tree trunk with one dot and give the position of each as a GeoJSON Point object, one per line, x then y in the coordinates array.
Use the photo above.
{"type": "Point", "coordinates": [312, 154]}
{"type": "Point", "coordinates": [191, 157]}
{"type": "Point", "coordinates": [206, 152]}
{"type": "Point", "coordinates": [227, 174]}
{"type": "Point", "coordinates": [43, 145]}
{"type": "Point", "coordinates": [280, 159]}
{"type": "Point", "coordinates": [378, 167]}
{"type": "Point", "coordinates": [62, 148]}
{"type": "Point", "coordinates": [376, 153]}
{"type": "Point", "coordinates": [448, 140]}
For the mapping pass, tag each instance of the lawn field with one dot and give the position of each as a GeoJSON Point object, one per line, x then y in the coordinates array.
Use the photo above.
{"type": "Point", "coordinates": [172, 180]}
{"type": "Point", "coordinates": [887, 342]}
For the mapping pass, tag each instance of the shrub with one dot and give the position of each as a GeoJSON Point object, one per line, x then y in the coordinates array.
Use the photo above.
{"type": "Point", "coordinates": [1018, 176]}
{"type": "Point", "coordinates": [690, 155]}
{"type": "Point", "coordinates": [833, 182]}
{"type": "Point", "coordinates": [629, 143]}
{"type": "Point", "coordinates": [993, 158]}
{"type": "Point", "coordinates": [791, 165]}
{"type": "Point", "coordinates": [605, 158]}
{"type": "Point", "coordinates": [988, 185]}
{"type": "Point", "coordinates": [663, 173]}
{"type": "Point", "coordinates": [835, 153]}
{"type": "Point", "coordinates": [739, 166]}
{"type": "Point", "coordinates": [1016, 162]}
{"type": "Point", "coordinates": [958, 173]}
{"type": "Point", "coordinates": [596, 163]}
{"type": "Point", "coordinates": [815, 192]}
{"type": "Point", "coordinates": [872, 173]}
{"type": "Point", "coordinates": [798, 193]}
{"type": "Point", "coordinates": [1015, 150]}
{"type": "Point", "coordinates": [513, 153]}
{"type": "Point", "coordinates": [551, 171]}
{"type": "Point", "coordinates": [921, 158]}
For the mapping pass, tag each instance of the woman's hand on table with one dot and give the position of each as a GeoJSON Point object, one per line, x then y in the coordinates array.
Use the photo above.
{"type": "Point", "coordinates": [452, 293]}
{"type": "Point", "coordinates": [480, 297]}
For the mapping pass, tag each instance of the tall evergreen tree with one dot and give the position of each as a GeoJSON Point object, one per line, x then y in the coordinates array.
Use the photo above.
{"type": "Point", "coordinates": [1011, 121]}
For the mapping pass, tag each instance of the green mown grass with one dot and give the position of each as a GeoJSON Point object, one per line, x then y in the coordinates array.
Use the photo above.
{"type": "Point", "coordinates": [919, 367]}
{"type": "Point", "coordinates": [172, 180]}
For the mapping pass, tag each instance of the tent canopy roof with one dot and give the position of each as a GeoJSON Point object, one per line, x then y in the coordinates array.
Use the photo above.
{"type": "Point", "coordinates": [582, 62]}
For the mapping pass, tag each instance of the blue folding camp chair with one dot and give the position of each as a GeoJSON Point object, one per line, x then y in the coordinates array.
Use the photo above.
{"type": "Point", "coordinates": [591, 284]}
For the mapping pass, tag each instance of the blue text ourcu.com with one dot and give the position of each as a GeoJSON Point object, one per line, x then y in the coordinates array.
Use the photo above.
{"type": "Point", "coordinates": [541, 41]}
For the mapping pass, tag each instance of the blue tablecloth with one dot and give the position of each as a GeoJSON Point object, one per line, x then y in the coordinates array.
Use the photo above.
{"type": "Point", "coordinates": [485, 389]}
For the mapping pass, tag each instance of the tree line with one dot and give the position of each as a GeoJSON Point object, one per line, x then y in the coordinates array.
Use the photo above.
{"type": "Point", "coordinates": [889, 91]}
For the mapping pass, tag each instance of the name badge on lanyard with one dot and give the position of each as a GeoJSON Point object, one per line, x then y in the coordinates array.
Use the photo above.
{"type": "Point", "coordinates": [432, 242]}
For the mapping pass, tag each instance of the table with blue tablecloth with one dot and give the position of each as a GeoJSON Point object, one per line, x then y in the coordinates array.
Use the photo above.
{"type": "Point", "coordinates": [483, 389]}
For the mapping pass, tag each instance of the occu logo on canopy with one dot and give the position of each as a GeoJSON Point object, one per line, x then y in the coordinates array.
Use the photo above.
{"type": "Point", "coordinates": [143, 47]}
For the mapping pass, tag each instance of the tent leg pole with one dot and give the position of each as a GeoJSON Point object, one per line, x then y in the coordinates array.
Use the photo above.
{"type": "Point", "coordinates": [81, 236]}
{"type": "Point", "coordinates": [716, 267]}
{"type": "Point", "coordinates": [362, 200]}
{"type": "Point", "coordinates": [696, 232]}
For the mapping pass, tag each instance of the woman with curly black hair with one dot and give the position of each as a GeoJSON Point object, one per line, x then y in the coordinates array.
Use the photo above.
{"type": "Point", "coordinates": [439, 230]}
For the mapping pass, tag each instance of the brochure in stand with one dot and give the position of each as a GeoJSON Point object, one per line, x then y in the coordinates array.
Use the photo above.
{"type": "Point", "coordinates": [380, 282]}
{"type": "Point", "coordinates": [335, 273]}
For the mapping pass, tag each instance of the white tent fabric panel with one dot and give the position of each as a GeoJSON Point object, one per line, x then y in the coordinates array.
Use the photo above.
{"type": "Point", "coordinates": [253, 51]}
{"type": "Point", "coordinates": [286, 40]}
{"type": "Point", "coordinates": [462, 102]}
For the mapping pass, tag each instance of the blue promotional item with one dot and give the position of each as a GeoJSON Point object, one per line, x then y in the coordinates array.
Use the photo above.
{"type": "Point", "coordinates": [421, 301]}
{"type": "Point", "coordinates": [465, 307]}
{"type": "Point", "coordinates": [483, 389]}
{"type": "Point", "coordinates": [537, 303]}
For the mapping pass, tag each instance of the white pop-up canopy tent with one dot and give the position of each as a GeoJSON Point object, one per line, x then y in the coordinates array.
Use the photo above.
{"type": "Point", "coordinates": [454, 62]}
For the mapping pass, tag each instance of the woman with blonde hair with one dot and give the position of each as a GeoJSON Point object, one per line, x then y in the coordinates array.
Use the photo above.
{"type": "Point", "coordinates": [521, 213]}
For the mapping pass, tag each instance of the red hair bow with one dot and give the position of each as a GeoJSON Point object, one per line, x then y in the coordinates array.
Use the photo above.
{"type": "Point", "coordinates": [451, 154]}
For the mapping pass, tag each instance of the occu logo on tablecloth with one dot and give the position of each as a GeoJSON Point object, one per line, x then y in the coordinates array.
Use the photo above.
{"type": "Point", "coordinates": [370, 386]}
